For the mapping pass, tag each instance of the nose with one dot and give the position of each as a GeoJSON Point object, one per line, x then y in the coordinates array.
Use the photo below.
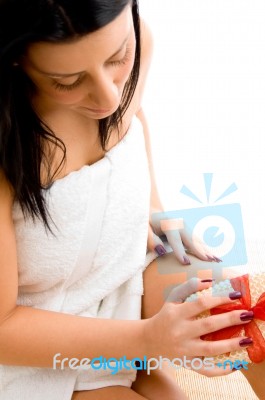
{"type": "Point", "coordinates": [104, 92]}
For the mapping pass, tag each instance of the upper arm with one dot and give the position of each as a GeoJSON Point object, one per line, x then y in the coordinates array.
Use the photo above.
{"type": "Point", "coordinates": [8, 257]}
{"type": "Point", "coordinates": [146, 56]}
{"type": "Point", "coordinates": [155, 204]}
{"type": "Point", "coordinates": [135, 106]}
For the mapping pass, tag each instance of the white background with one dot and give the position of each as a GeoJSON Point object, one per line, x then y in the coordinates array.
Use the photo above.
{"type": "Point", "coordinates": [205, 102]}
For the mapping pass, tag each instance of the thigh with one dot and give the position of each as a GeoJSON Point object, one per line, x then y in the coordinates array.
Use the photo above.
{"type": "Point", "coordinates": [108, 393]}
{"type": "Point", "coordinates": [253, 375]}
{"type": "Point", "coordinates": [165, 273]}
{"type": "Point", "coordinates": [160, 384]}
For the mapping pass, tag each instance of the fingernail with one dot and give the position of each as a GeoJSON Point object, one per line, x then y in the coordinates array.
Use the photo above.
{"type": "Point", "coordinates": [235, 295]}
{"type": "Point", "coordinates": [210, 258]}
{"type": "Point", "coordinates": [160, 250]}
{"type": "Point", "coordinates": [245, 342]}
{"type": "Point", "coordinates": [207, 280]}
{"type": "Point", "coordinates": [247, 316]}
{"type": "Point", "coordinates": [238, 367]}
{"type": "Point", "coordinates": [217, 259]}
{"type": "Point", "coordinates": [186, 260]}
{"type": "Point", "coordinates": [213, 258]}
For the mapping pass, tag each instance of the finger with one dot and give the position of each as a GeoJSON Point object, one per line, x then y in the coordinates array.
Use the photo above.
{"type": "Point", "coordinates": [174, 240]}
{"type": "Point", "coordinates": [184, 290]}
{"type": "Point", "coordinates": [207, 367]}
{"type": "Point", "coordinates": [214, 371]}
{"type": "Point", "coordinates": [217, 322]}
{"type": "Point", "coordinates": [196, 247]}
{"type": "Point", "coordinates": [154, 243]}
{"type": "Point", "coordinates": [194, 307]}
{"type": "Point", "coordinates": [214, 348]}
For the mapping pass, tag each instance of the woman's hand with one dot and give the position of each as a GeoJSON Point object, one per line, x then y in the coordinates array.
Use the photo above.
{"type": "Point", "coordinates": [210, 373]}
{"type": "Point", "coordinates": [180, 240]}
{"type": "Point", "coordinates": [174, 332]}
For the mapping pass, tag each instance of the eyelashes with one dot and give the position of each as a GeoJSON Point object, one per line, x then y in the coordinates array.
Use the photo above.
{"type": "Point", "coordinates": [123, 61]}
{"type": "Point", "coordinates": [60, 86]}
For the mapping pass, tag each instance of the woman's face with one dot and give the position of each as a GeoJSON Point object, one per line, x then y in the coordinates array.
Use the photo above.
{"type": "Point", "coordinates": [86, 76]}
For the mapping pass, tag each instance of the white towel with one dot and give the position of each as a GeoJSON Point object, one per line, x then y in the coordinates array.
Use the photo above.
{"type": "Point", "coordinates": [92, 266]}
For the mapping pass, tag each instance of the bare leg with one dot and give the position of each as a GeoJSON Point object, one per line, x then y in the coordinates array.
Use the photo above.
{"type": "Point", "coordinates": [255, 376]}
{"type": "Point", "coordinates": [108, 393]}
{"type": "Point", "coordinates": [166, 272]}
{"type": "Point", "coordinates": [156, 387]}
{"type": "Point", "coordinates": [160, 384]}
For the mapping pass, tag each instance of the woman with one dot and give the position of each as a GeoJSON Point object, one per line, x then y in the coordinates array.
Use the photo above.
{"type": "Point", "coordinates": [74, 186]}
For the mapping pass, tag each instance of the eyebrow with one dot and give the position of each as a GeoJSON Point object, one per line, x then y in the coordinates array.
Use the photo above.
{"type": "Point", "coordinates": [58, 75]}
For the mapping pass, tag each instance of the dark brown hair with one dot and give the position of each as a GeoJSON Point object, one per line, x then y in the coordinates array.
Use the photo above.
{"type": "Point", "coordinates": [22, 133]}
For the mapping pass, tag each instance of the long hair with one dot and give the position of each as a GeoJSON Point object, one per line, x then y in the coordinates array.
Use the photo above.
{"type": "Point", "coordinates": [22, 133]}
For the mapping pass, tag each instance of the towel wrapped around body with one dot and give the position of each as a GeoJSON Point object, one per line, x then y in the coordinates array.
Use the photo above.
{"type": "Point", "coordinates": [92, 264]}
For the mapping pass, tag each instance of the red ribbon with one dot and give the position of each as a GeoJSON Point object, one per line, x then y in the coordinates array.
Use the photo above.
{"type": "Point", "coordinates": [256, 351]}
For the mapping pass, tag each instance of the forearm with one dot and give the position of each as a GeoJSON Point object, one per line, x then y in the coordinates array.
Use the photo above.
{"type": "Point", "coordinates": [31, 337]}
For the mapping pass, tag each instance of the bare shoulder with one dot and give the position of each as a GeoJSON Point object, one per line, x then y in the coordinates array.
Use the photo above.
{"type": "Point", "coordinates": [146, 40]}
{"type": "Point", "coordinates": [146, 57]}
{"type": "Point", "coordinates": [8, 259]}
{"type": "Point", "coordinates": [146, 46]}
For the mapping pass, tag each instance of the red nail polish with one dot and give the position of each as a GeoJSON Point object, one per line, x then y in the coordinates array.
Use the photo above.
{"type": "Point", "coordinates": [186, 260]}
{"type": "Point", "coordinates": [235, 295]}
{"type": "Point", "coordinates": [160, 250]}
{"type": "Point", "coordinates": [245, 342]}
{"type": "Point", "coordinates": [247, 316]}
{"type": "Point", "coordinates": [238, 367]}
{"type": "Point", "coordinates": [217, 259]}
{"type": "Point", "coordinates": [210, 258]}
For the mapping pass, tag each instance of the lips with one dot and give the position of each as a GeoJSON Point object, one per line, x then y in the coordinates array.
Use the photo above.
{"type": "Point", "coordinates": [97, 111]}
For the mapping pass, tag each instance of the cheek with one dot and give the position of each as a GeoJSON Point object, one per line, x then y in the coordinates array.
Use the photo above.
{"type": "Point", "coordinates": [64, 97]}
{"type": "Point", "coordinates": [125, 72]}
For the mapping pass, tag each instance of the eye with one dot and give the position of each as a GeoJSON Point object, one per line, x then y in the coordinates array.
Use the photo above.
{"type": "Point", "coordinates": [124, 59]}
{"type": "Point", "coordinates": [60, 86]}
